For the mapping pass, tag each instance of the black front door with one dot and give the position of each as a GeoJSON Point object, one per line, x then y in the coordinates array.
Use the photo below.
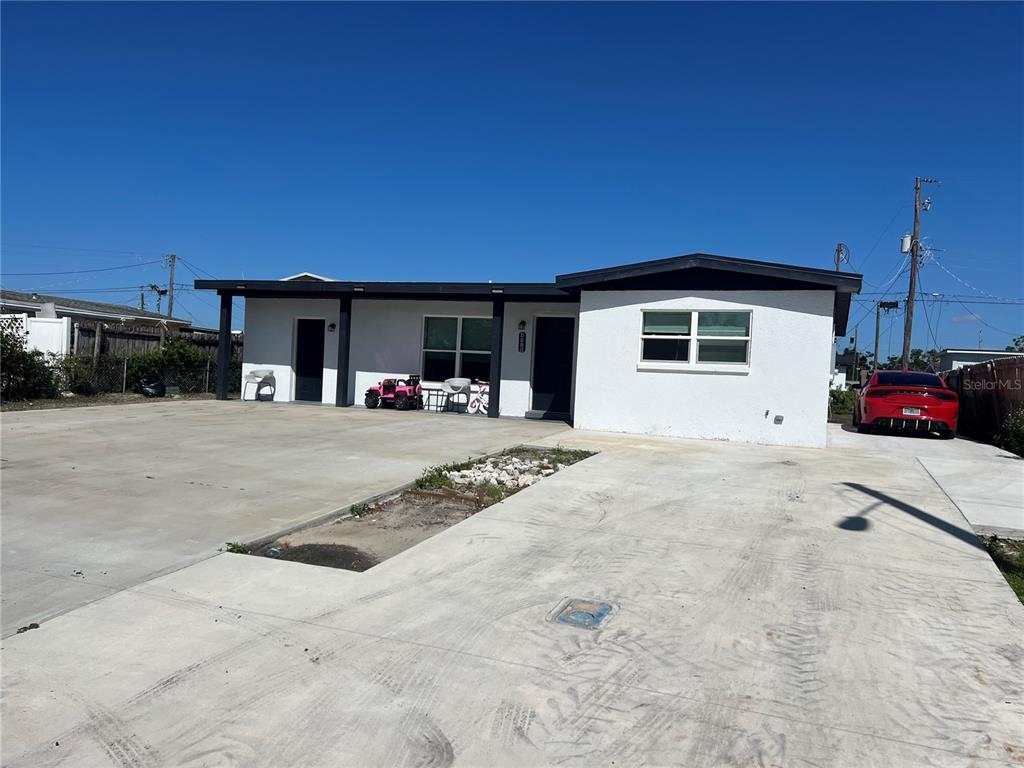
{"type": "Point", "coordinates": [552, 364]}
{"type": "Point", "coordinates": [309, 360]}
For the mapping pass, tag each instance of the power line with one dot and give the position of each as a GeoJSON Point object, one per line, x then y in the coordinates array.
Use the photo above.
{"type": "Point", "coordinates": [181, 305]}
{"type": "Point", "coordinates": [120, 289]}
{"type": "Point", "coordinates": [193, 267]}
{"type": "Point", "coordinates": [943, 299]}
{"type": "Point", "coordinates": [885, 231]}
{"type": "Point", "coordinates": [83, 250]}
{"type": "Point", "coordinates": [80, 271]}
{"type": "Point", "coordinates": [928, 320]}
{"type": "Point", "coordinates": [888, 290]}
{"type": "Point", "coordinates": [978, 318]}
{"type": "Point", "coordinates": [957, 296]}
{"type": "Point", "coordinates": [962, 282]}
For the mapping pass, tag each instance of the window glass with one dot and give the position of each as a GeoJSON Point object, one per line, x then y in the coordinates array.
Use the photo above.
{"type": "Point", "coordinates": [709, 351]}
{"type": "Point", "coordinates": [897, 378]}
{"type": "Point", "coordinates": [440, 332]}
{"type": "Point", "coordinates": [476, 366]}
{"type": "Point", "coordinates": [723, 324]}
{"type": "Point", "coordinates": [476, 334]}
{"type": "Point", "coordinates": [674, 350]}
{"type": "Point", "coordinates": [667, 323]}
{"type": "Point", "coordinates": [438, 366]}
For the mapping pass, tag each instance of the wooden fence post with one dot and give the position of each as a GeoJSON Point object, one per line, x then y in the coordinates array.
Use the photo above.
{"type": "Point", "coordinates": [97, 341]}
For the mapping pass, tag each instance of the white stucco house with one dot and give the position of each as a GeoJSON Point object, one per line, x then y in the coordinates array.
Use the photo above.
{"type": "Point", "coordinates": [951, 359]}
{"type": "Point", "coordinates": [694, 346]}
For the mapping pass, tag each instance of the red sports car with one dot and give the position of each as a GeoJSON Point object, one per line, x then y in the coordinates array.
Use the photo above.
{"type": "Point", "coordinates": [909, 400]}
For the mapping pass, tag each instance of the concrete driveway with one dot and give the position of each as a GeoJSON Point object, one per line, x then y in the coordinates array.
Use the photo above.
{"type": "Point", "coordinates": [985, 483]}
{"type": "Point", "coordinates": [97, 499]}
{"type": "Point", "coordinates": [774, 607]}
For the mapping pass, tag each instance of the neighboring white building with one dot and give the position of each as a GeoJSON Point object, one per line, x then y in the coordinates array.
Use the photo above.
{"type": "Point", "coordinates": [951, 359]}
{"type": "Point", "coordinates": [694, 346]}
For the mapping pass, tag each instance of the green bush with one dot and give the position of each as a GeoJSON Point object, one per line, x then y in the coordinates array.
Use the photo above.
{"type": "Point", "coordinates": [140, 366]}
{"type": "Point", "coordinates": [24, 374]}
{"type": "Point", "coordinates": [434, 478]}
{"type": "Point", "coordinates": [1011, 434]}
{"type": "Point", "coordinates": [74, 374]}
{"type": "Point", "coordinates": [842, 400]}
{"type": "Point", "coordinates": [179, 353]}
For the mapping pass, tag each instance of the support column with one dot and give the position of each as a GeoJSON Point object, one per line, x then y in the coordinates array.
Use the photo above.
{"type": "Point", "coordinates": [497, 326]}
{"type": "Point", "coordinates": [341, 399]}
{"type": "Point", "coordinates": [224, 347]}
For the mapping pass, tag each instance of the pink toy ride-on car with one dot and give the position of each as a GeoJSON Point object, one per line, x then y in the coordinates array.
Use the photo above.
{"type": "Point", "coordinates": [404, 394]}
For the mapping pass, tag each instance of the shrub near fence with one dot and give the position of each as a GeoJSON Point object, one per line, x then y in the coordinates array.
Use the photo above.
{"type": "Point", "coordinates": [990, 395]}
{"type": "Point", "coordinates": [120, 374]}
{"type": "Point", "coordinates": [31, 375]}
{"type": "Point", "coordinates": [24, 374]}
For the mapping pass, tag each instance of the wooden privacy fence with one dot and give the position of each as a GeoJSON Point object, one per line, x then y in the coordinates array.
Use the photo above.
{"type": "Point", "coordinates": [126, 341]}
{"type": "Point", "coordinates": [988, 393]}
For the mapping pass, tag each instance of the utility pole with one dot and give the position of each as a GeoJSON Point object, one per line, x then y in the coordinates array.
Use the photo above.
{"type": "Point", "coordinates": [856, 358]}
{"type": "Point", "coordinates": [842, 255]}
{"type": "Point", "coordinates": [160, 292]}
{"type": "Point", "coordinates": [878, 322]}
{"type": "Point", "coordinates": [171, 258]}
{"type": "Point", "coordinates": [142, 297]}
{"type": "Point", "coordinates": [915, 249]}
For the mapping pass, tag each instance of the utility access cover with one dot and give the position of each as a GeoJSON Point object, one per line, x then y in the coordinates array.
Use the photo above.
{"type": "Point", "coordinates": [584, 613]}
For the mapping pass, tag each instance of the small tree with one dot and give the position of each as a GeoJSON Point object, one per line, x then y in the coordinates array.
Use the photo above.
{"type": "Point", "coordinates": [920, 360]}
{"type": "Point", "coordinates": [1011, 432]}
{"type": "Point", "coordinates": [24, 373]}
{"type": "Point", "coordinates": [1017, 345]}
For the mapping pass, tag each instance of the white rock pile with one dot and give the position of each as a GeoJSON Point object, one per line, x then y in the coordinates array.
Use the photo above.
{"type": "Point", "coordinates": [508, 471]}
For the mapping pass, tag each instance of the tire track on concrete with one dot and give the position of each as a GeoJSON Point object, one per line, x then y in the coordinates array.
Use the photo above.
{"type": "Point", "coordinates": [110, 732]}
{"type": "Point", "coordinates": [718, 738]}
{"type": "Point", "coordinates": [400, 675]}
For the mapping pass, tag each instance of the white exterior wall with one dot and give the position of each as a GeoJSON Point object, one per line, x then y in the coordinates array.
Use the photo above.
{"type": "Point", "coordinates": [387, 337]}
{"type": "Point", "coordinates": [516, 366]}
{"type": "Point", "coordinates": [270, 341]}
{"type": "Point", "coordinates": [788, 376]}
{"type": "Point", "coordinates": [386, 341]}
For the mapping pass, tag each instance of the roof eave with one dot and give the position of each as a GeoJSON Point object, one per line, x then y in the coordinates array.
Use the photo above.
{"type": "Point", "coordinates": [456, 291]}
{"type": "Point", "coordinates": [840, 281]}
{"type": "Point", "coordinates": [80, 312]}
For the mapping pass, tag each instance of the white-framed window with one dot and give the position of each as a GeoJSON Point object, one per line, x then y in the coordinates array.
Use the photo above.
{"type": "Point", "coordinates": [456, 347]}
{"type": "Point", "coordinates": [695, 337]}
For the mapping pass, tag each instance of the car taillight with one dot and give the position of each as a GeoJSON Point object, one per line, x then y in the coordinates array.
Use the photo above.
{"type": "Point", "coordinates": [876, 393]}
{"type": "Point", "coordinates": [944, 395]}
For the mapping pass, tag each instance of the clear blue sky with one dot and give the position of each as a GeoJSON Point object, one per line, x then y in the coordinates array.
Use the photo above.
{"type": "Point", "coordinates": [515, 142]}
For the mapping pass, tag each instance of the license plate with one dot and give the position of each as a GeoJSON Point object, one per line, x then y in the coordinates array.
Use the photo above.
{"type": "Point", "coordinates": [911, 411]}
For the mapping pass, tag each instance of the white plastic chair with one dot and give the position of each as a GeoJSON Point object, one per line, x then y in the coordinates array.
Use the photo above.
{"type": "Point", "coordinates": [452, 389]}
{"type": "Point", "coordinates": [260, 378]}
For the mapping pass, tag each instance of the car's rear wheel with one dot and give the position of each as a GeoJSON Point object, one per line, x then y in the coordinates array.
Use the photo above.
{"type": "Point", "coordinates": [402, 402]}
{"type": "Point", "coordinates": [372, 400]}
{"type": "Point", "coordinates": [946, 434]}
